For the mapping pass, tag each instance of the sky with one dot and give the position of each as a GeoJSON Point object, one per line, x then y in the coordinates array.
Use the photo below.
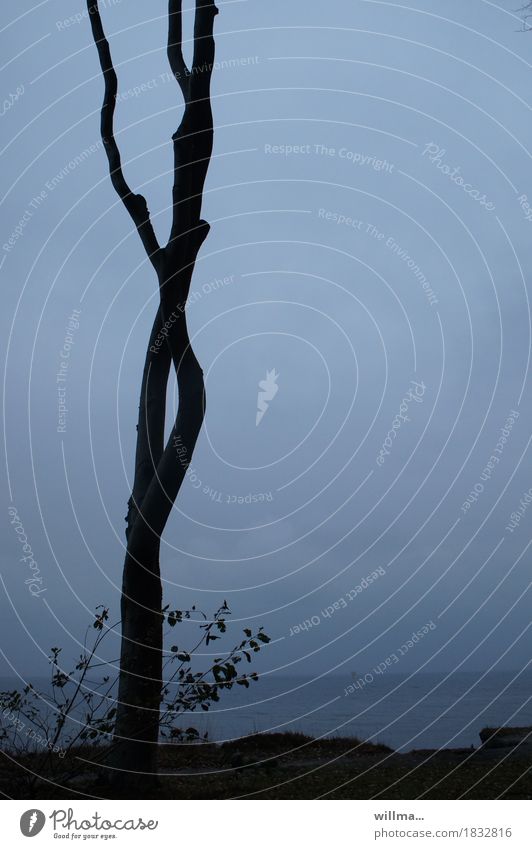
{"type": "Point", "coordinates": [368, 263]}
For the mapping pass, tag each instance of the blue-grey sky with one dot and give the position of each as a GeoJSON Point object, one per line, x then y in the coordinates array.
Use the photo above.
{"type": "Point", "coordinates": [371, 242]}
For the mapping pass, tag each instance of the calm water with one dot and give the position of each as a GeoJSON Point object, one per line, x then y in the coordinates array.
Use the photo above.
{"type": "Point", "coordinates": [424, 711]}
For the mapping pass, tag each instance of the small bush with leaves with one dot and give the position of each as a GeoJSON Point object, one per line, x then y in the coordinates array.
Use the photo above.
{"type": "Point", "coordinates": [33, 723]}
{"type": "Point", "coordinates": [186, 690]}
{"type": "Point", "coordinates": [79, 707]}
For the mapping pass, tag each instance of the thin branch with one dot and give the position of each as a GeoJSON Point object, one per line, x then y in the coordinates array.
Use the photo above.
{"type": "Point", "coordinates": [175, 46]}
{"type": "Point", "coordinates": [134, 203]}
{"type": "Point", "coordinates": [527, 14]}
{"type": "Point", "coordinates": [203, 60]}
{"type": "Point", "coordinates": [193, 139]}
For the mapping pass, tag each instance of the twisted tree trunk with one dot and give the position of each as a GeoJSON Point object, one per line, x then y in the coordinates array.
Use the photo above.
{"type": "Point", "coordinates": [159, 468]}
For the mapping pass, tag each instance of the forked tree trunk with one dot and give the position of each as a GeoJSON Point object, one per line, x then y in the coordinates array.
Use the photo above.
{"type": "Point", "coordinates": [159, 468]}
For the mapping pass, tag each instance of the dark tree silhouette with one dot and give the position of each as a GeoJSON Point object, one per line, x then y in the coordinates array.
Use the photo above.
{"type": "Point", "coordinates": [159, 468]}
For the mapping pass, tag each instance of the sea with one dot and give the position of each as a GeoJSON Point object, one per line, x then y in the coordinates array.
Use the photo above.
{"type": "Point", "coordinates": [418, 711]}
{"type": "Point", "coordinates": [405, 712]}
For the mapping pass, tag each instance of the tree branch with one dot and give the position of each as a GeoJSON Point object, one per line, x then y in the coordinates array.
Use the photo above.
{"type": "Point", "coordinates": [134, 203]}
{"type": "Point", "coordinates": [175, 46]}
{"type": "Point", "coordinates": [203, 61]}
{"type": "Point", "coordinates": [193, 140]}
{"type": "Point", "coordinates": [152, 413]}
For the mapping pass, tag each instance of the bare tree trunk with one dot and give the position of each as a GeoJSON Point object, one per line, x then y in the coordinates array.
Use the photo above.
{"type": "Point", "coordinates": [159, 468]}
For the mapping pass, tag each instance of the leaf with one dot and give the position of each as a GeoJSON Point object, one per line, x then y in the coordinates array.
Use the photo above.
{"type": "Point", "coordinates": [218, 672]}
{"type": "Point", "coordinates": [231, 671]}
{"type": "Point", "coordinates": [174, 617]}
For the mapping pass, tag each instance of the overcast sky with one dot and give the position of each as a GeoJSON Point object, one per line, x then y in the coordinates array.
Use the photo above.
{"type": "Point", "coordinates": [370, 242]}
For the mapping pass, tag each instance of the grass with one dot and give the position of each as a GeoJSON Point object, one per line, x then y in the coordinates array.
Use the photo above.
{"type": "Point", "coordinates": [293, 766]}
